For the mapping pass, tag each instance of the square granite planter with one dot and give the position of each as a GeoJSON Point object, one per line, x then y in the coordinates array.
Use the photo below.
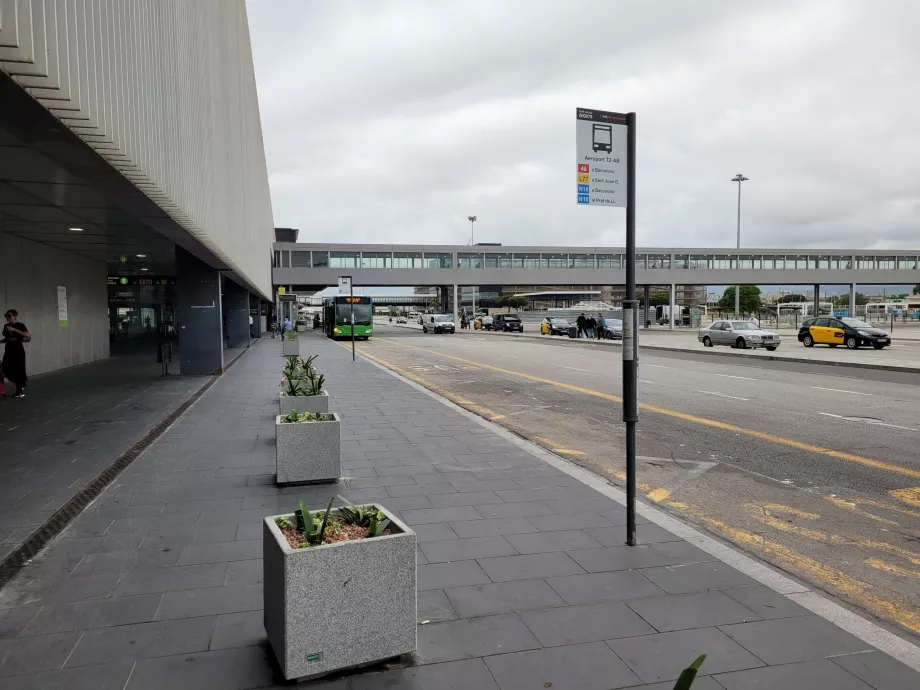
{"type": "Point", "coordinates": [308, 452]}
{"type": "Point", "coordinates": [341, 605]}
{"type": "Point", "coordinates": [290, 347]}
{"type": "Point", "coordinates": [303, 403]}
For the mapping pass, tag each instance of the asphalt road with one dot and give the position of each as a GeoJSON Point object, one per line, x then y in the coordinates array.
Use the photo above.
{"type": "Point", "coordinates": [814, 469]}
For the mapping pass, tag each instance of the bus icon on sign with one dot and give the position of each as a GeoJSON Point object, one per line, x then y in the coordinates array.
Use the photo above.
{"type": "Point", "coordinates": [601, 138]}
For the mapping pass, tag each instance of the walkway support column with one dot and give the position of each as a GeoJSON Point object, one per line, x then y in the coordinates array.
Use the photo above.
{"type": "Point", "coordinates": [236, 300]}
{"type": "Point", "coordinates": [647, 319]}
{"type": "Point", "coordinates": [456, 312]}
{"type": "Point", "coordinates": [852, 300]}
{"type": "Point", "coordinates": [672, 309]}
{"type": "Point", "coordinates": [200, 325]}
{"type": "Point", "coordinates": [817, 301]}
{"type": "Point", "coordinates": [255, 312]}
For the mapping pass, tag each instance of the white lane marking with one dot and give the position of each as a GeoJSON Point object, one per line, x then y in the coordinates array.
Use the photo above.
{"type": "Point", "coordinates": [657, 366]}
{"type": "Point", "coordinates": [510, 356]}
{"type": "Point", "coordinates": [650, 382]}
{"type": "Point", "coordinates": [730, 376]}
{"type": "Point", "coordinates": [837, 390]}
{"type": "Point", "coordinates": [577, 369]}
{"type": "Point", "coordinates": [868, 421]}
{"type": "Point", "coordinates": [722, 395]}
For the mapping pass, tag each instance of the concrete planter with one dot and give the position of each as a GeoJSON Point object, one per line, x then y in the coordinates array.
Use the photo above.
{"type": "Point", "coordinates": [290, 347]}
{"type": "Point", "coordinates": [303, 403]}
{"type": "Point", "coordinates": [339, 605]}
{"type": "Point", "coordinates": [308, 452]}
{"type": "Point", "coordinates": [301, 327]}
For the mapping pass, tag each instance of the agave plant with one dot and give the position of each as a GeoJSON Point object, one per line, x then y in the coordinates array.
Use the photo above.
{"type": "Point", "coordinates": [370, 517]}
{"type": "Point", "coordinates": [688, 675]}
{"type": "Point", "coordinates": [313, 527]}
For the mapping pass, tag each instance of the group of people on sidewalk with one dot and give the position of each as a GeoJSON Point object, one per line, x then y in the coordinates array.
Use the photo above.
{"type": "Point", "coordinates": [591, 327]}
{"type": "Point", "coordinates": [13, 366]}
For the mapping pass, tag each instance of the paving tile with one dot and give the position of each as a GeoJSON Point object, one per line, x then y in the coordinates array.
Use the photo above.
{"type": "Point", "coordinates": [506, 510]}
{"type": "Point", "coordinates": [223, 669]}
{"type": "Point", "coordinates": [878, 670]}
{"type": "Point", "coordinates": [172, 579]}
{"type": "Point", "coordinates": [618, 558]}
{"type": "Point", "coordinates": [244, 572]}
{"type": "Point", "coordinates": [176, 538]}
{"type": "Point", "coordinates": [433, 606]}
{"type": "Point", "coordinates": [589, 502]}
{"type": "Point", "coordinates": [467, 483]}
{"type": "Point", "coordinates": [590, 666]}
{"type": "Point", "coordinates": [421, 490]}
{"type": "Point", "coordinates": [426, 516]}
{"type": "Point", "coordinates": [476, 637]}
{"type": "Point", "coordinates": [680, 612]}
{"type": "Point", "coordinates": [13, 620]}
{"type": "Point", "coordinates": [456, 675]}
{"type": "Point", "coordinates": [242, 629]}
{"type": "Point", "coordinates": [505, 597]}
{"type": "Point", "coordinates": [436, 531]}
{"type": "Point", "coordinates": [210, 601]}
{"type": "Point", "coordinates": [808, 675]}
{"type": "Point", "coordinates": [145, 640]}
{"type": "Point", "coordinates": [597, 587]}
{"type": "Point", "coordinates": [645, 534]}
{"type": "Point", "coordinates": [697, 577]}
{"type": "Point", "coordinates": [766, 603]}
{"type": "Point", "coordinates": [406, 502]}
{"type": "Point", "coordinates": [420, 556]}
{"type": "Point", "coordinates": [787, 640]}
{"type": "Point", "coordinates": [34, 654]}
{"type": "Point", "coordinates": [492, 527]}
{"type": "Point", "coordinates": [575, 624]}
{"type": "Point", "coordinates": [544, 542]}
{"type": "Point", "coordinates": [682, 553]}
{"type": "Point", "coordinates": [119, 561]}
{"type": "Point", "coordinates": [97, 613]}
{"type": "Point", "coordinates": [465, 549]}
{"type": "Point", "coordinates": [21, 592]}
{"type": "Point", "coordinates": [662, 657]}
{"type": "Point", "coordinates": [553, 523]}
{"type": "Point", "coordinates": [471, 498]}
{"type": "Point", "coordinates": [103, 677]}
{"type": "Point", "coordinates": [700, 683]}
{"type": "Point", "coordinates": [442, 575]}
{"type": "Point", "coordinates": [537, 565]}
{"type": "Point", "coordinates": [221, 552]}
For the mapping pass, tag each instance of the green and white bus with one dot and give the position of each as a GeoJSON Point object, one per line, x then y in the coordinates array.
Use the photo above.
{"type": "Point", "coordinates": [337, 313]}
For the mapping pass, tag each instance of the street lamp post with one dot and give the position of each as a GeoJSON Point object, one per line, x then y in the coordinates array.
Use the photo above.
{"type": "Point", "coordinates": [473, 220]}
{"type": "Point", "coordinates": [739, 178]}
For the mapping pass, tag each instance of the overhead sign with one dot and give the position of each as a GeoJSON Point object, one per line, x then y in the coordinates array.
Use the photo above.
{"type": "Point", "coordinates": [281, 290]}
{"type": "Point", "coordinates": [135, 280]}
{"type": "Point", "coordinates": [62, 305]}
{"type": "Point", "coordinates": [600, 151]}
{"type": "Point", "coordinates": [344, 285]}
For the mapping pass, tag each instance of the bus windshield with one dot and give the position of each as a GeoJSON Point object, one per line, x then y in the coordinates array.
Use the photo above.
{"type": "Point", "coordinates": [363, 314]}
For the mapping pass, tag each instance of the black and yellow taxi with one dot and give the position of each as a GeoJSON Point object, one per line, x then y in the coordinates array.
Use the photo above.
{"type": "Point", "coordinates": [832, 331]}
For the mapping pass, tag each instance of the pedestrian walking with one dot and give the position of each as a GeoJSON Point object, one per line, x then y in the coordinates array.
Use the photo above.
{"type": "Point", "coordinates": [580, 322]}
{"type": "Point", "coordinates": [286, 325]}
{"type": "Point", "coordinates": [15, 334]}
{"type": "Point", "coordinates": [590, 325]}
{"type": "Point", "coordinates": [601, 326]}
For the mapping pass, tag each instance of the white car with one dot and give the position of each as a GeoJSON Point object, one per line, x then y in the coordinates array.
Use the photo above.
{"type": "Point", "coordinates": [740, 334]}
{"type": "Point", "coordinates": [438, 323]}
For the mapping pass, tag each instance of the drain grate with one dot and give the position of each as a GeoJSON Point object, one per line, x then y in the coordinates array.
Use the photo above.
{"type": "Point", "coordinates": [56, 523]}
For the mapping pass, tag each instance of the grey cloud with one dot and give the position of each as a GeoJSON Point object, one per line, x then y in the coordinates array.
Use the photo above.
{"type": "Point", "coordinates": [394, 121]}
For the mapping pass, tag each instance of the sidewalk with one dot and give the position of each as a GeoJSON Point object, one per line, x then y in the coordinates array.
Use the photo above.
{"type": "Point", "coordinates": [523, 579]}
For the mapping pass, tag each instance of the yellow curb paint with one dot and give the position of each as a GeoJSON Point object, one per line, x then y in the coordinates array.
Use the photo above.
{"type": "Point", "coordinates": [910, 496]}
{"type": "Point", "coordinates": [891, 568]}
{"type": "Point", "coordinates": [659, 495]}
{"type": "Point", "coordinates": [779, 440]}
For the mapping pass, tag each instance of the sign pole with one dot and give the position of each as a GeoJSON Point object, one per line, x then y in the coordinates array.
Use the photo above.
{"type": "Point", "coordinates": [631, 322]}
{"type": "Point", "coordinates": [351, 289]}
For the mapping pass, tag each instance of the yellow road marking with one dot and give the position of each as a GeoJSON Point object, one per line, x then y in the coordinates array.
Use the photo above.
{"type": "Point", "coordinates": [910, 496]}
{"type": "Point", "coordinates": [659, 495]}
{"type": "Point", "coordinates": [891, 568]}
{"type": "Point", "coordinates": [857, 590]}
{"type": "Point", "coordinates": [853, 504]}
{"type": "Point", "coordinates": [557, 448]}
{"type": "Point", "coordinates": [779, 440]}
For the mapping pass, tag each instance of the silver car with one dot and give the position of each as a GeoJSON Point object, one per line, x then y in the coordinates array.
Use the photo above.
{"type": "Point", "coordinates": [741, 334]}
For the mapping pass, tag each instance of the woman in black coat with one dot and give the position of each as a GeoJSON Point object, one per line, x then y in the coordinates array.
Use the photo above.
{"type": "Point", "coordinates": [14, 354]}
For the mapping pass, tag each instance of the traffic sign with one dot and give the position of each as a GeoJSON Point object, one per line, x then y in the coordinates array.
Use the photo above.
{"type": "Point", "coordinates": [600, 150]}
{"type": "Point", "coordinates": [344, 285]}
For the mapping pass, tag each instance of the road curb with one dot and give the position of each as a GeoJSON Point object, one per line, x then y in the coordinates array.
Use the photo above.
{"type": "Point", "coordinates": [722, 352]}
{"type": "Point", "coordinates": [819, 604]}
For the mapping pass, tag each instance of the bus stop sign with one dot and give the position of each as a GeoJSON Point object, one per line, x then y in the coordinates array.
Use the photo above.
{"type": "Point", "coordinates": [600, 151]}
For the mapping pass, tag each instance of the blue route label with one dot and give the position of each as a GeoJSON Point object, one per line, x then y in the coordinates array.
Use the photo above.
{"type": "Point", "coordinates": [583, 198]}
{"type": "Point", "coordinates": [584, 189]}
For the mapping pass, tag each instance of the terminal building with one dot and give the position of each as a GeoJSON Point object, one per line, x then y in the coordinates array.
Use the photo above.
{"type": "Point", "coordinates": [134, 200]}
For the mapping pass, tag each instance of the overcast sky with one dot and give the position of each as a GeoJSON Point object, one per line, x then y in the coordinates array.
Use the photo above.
{"type": "Point", "coordinates": [394, 121]}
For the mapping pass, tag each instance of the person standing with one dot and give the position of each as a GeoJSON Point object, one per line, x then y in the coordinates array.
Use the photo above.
{"type": "Point", "coordinates": [580, 322]}
{"type": "Point", "coordinates": [286, 325]}
{"type": "Point", "coordinates": [590, 325]}
{"type": "Point", "coordinates": [601, 326]}
{"type": "Point", "coordinates": [15, 334]}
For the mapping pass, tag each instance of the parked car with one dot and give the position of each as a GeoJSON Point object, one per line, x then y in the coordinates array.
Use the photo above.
{"type": "Point", "coordinates": [830, 331]}
{"type": "Point", "coordinates": [553, 325]}
{"type": "Point", "coordinates": [402, 319]}
{"type": "Point", "coordinates": [483, 323]}
{"type": "Point", "coordinates": [614, 330]}
{"type": "Point", "coordinates": [507, 323]}
{"type": "Point", "coordinates": [438, 323]}
{"type": "Point", "coordinates": [739, 334]}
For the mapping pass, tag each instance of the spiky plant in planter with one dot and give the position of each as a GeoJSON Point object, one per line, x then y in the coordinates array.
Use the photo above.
{"type": "Point", "coordinates": [302, 386]}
